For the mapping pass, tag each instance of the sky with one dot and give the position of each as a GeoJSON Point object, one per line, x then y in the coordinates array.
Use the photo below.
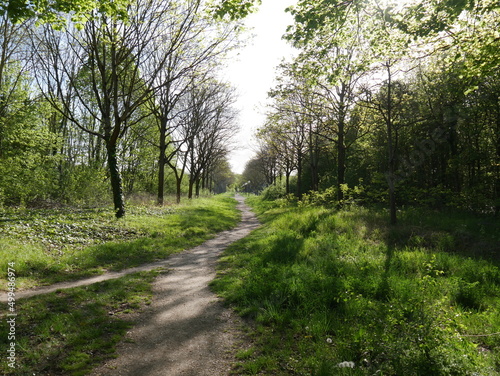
{"type": "Point", "coordinates": [252, 73]}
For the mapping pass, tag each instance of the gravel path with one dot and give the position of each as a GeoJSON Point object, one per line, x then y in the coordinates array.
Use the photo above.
{"type": "Point", "coordinates": [186, 330]}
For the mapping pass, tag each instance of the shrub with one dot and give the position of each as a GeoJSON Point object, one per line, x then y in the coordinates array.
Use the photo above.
{"type": "Point", "coordinates": [273, 192]}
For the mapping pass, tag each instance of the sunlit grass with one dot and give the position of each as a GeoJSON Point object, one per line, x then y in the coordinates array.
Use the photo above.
{"type": "Point", "coordinates": [49, 246]}
{"type": "Point", "coordinates": [69, 332]}
{"type": "Point", "coordinates": [327, 287]}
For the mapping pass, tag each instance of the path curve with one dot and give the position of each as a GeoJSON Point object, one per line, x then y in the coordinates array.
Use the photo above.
{"type": "Point", "coordinates": [186, 331]}
{"type": "Point", "coordinates": [223, 239]}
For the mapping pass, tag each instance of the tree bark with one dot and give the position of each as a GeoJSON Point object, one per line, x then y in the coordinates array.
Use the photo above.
{"type": "Point", "coordinates": [341, 156]}
{"type": "Point", "coordinates": [197, 188]}
{"type": "Point", "coordinates": [161, 167]}
{"type": "Point", "coordinates": [299, 176]}
{"type": "Point", "coordinates": [190, 191]}
{"type": "Point", "coordinates": [178, 189]}
{"type": "Point", "coordinates": [116, 180]}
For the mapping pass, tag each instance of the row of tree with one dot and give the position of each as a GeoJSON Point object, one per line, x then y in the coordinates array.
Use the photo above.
{"type": "Point", "coordinates": [119, 96]}
{"type": "Point", "coordinates": [398, 99]}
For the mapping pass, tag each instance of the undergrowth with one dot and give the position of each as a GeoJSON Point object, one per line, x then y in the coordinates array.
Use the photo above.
{"type": "Point", "coordinates": [342, 293]}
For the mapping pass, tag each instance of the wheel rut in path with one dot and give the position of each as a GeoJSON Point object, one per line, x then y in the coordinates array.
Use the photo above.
{"type": "Point", "coordinates": [186, 331]}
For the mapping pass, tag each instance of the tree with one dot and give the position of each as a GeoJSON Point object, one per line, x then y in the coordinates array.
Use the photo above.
{"type": "Point", "coordinates": [291, 113]}
{"type": "Point", "coordinates": [190, 48]}
{"type": "Point", "coordinates": [334, 60]}
{"type": "Point", "coordinates": [253, 178]}
{"type": "Point", "coordinates": [277, 135]}
{"type": "Point", "coordinates": [103, 71]}
{"type": "Point", "coordinates": [210, 125]}
{"type": "Point", "coordinates": [220, 176]}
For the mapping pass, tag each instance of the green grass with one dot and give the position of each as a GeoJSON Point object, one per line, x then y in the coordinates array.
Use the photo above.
{"type": "Point", "coordinates": [70, 331]}
{"type": "Point", "coordinates": [326, 287]}
{"type": "Point", "coordinates": [49, 246]}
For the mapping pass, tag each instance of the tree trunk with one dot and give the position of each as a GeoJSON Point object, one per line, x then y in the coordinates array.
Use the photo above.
{"type": "Point", "coordinates": [161, 167]}
{"type": "Point", "coordinates": [116, 180]}
{"type": "Point", "coordinates": [391, 151]}
{"type": "Point", "coordinates": [190, 191]}
{"type": "Point", "coordinates": [341, 152]}
{"type": "Point", "coordinates": [161, 180]}
{"type": "Point", "coordinates": [299, 176]}
{"type": "Point", "coordinates": [287, 182]}
{"type": "Point", "coordinates": [197, 188]}
{"type": "Point", "coordinates": [178, 182]}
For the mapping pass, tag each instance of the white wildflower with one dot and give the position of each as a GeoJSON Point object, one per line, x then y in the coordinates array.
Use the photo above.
{"type": "Point", "coordinates": [346, 365]}
{"type": "Point", "coordinates": [329, 340]}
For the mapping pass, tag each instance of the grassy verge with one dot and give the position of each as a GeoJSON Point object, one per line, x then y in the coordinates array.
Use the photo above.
{"type": "Point", "coordinates": [341, 293]}
{"type": "Point", "coordinates": [71, 331]}
{"type": "Point", "coordinates": [49, 246]}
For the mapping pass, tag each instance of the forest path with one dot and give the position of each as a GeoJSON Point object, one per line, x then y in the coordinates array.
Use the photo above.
{"type": "Point", "coordinates": [186, 330]}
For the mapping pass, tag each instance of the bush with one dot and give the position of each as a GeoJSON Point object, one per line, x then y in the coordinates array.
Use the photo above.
{"type": "Point", "coordinates": [86, 186]}
{"type": "Point", "coordinates": [273, 192]}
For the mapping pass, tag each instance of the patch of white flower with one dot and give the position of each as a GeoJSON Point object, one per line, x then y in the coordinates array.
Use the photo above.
{"type": "Point", "coordinates": [346, 365]}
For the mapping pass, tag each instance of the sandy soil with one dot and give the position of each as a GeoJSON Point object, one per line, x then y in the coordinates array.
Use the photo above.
{"type": "Point", "coordinates": [186, 330]}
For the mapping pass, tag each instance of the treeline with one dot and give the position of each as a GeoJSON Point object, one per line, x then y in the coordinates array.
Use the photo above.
{"type": "Point", "coordinates": [115, 104]}
{"type": "Point", "coordinates": [387, 104]}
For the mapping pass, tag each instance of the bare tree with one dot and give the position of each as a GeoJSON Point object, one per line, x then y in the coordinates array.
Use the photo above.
{"type": "Point", "coordinates": [104, 71]}
{"type": "Point", "coordinates": [209, 126]}
{"type": "Point", "coordinates": [192, 46]}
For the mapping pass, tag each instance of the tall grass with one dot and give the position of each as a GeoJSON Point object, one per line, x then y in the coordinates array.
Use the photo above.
{"type": "Point", "coordinates": [341, 293]}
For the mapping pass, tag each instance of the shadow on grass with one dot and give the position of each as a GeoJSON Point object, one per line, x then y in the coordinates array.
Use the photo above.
{"type": "Point", "coordinates": [387, 298]}
{"type": "Point", "coordinates": [69, 332]}
{"type": "Point", "coordinates": [162, 236]}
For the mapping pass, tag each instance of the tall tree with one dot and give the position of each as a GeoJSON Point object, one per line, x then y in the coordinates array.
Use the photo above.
{"type": "Point", "coordinates": [106, 67]}
{"type": "Point", "coordinates": [210, 122]}
{"type": "Point", "coordinates": [193, 43]}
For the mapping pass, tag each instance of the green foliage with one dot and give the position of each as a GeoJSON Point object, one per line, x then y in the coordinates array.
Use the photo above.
{"type": "Point", "coordinates": [235, 9]}
{"type": "Point", "coordinates": [27, 160]}
{"type": "Point", "coordinates": [273, 192]}
{"type": "Point", "coordinates": [328, 288]}
{"type": "Point", "coordinates": [329, 197]}
{"type": "Point", "coordinates": [84, 186]}
{"type": "Point", "coordinates": [55, 12]}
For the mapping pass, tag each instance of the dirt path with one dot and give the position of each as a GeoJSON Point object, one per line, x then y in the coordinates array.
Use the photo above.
{"type": "Point", "coordinates": [186, 331]}
{"type": "Point", "coordinates": [247, 224]}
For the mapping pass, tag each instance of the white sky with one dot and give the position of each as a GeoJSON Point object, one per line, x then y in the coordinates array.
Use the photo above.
{"type": "Point", "coordinates": [252, 73]}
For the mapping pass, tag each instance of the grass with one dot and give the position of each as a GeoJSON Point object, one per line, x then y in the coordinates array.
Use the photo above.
{"type": "Point", "coordinates": [341, 293]}
{"type": "Point", "coordinates": [71, 331]}
{"type": "Point", "coordinates": [49, 246]}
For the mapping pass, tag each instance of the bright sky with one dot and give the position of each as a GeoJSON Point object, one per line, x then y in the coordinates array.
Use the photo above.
{"type": "Point", "coordinates": [252, 73]}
